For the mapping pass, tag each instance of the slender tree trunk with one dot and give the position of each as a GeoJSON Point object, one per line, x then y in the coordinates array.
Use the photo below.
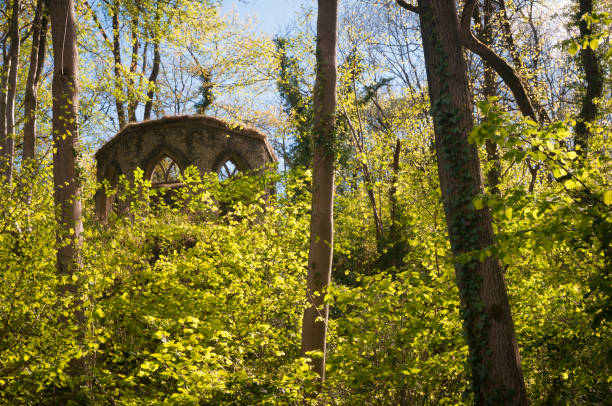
{"type": "Point", "coordinates": [393, 210]}
{"type": "Point", "coordinates": [67, 190]}
{"type": "Point", "coordinates": [132, 99]}
{"type": "Point", "coordinates": [594, 80]}
{"type": "Point", "coordinates": [6, 62]}
{"type": "Point", "coordinates": [155, 64]}
{"type": "Point", "coordinates": [489, 91]}
{"type": "Point", "coordinates": [152, 80]}
{"type": "Point", "coordinates": [144, 57]}
{"type": "Point", "coordinates": [37, 60]}
{"type": "Point", "coordinates": [117, 70]}
{"type": "Point", "coordinates": [485, 309]}
{"type": "Point", "coordinates": [314, 326]}
{"type": "Point", "coordinates": [378, 227]}
{"type": "Point", "coordinates": [8, 147]}
{"type": "Point", "coordinates": [509, 38]}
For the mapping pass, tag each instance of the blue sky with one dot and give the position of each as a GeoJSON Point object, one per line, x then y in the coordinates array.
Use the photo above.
{"type": "Point", "coordinates": [272, 15]}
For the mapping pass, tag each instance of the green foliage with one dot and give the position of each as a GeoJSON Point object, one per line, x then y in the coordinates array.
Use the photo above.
{"type": "Point", "coordinates": [556, 247]}
{"type": "Point", "coordinates": [206, 92]}
{"type": "Point", "coordinates": [297, 104]}
{"type": "Point", "coordinates": [184, 303]}
{"type": "Point", "coordinates": [397, 340]}
{"type": "Point", "coordinates": [195, 295]}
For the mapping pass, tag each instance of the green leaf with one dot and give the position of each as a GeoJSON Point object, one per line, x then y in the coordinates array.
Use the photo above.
{"type": "Point", "coordinates": [571, 184]}
{"type": "Point", "coordinates": [573, 48]}
{"type": "Point", "coordinates": [607, 197]}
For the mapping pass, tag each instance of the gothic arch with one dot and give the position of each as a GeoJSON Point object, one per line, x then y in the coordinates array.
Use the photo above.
{"type": "Point", "coordinates": [229, 155]}
{"type": "Point", "coordinates": [161, 152]}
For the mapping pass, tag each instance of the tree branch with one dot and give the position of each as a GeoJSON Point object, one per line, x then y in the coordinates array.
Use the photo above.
{"type": "Point", "coordinates": [407, 6]}
{"type": "Point", "coordinates": [95, 18]}
{"type": "Point", "coordinates": [510, 77]}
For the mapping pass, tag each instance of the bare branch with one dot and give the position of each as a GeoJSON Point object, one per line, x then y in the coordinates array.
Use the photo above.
{"type": "Point", "coordinates": [407, 6]}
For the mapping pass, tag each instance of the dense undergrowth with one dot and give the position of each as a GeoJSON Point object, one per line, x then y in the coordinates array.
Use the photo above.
{"type": "Point", "coordinates": [199, 301]}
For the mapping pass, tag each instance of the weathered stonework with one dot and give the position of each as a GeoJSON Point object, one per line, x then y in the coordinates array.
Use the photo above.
{"type": "Point", "coordinates": [204, 142]}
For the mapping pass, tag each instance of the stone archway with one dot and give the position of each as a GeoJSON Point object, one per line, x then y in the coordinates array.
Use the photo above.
{"type": "Point", "coordinates": [206, 143]}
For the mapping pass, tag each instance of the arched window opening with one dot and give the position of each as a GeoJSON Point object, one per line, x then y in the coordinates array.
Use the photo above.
{"type": "Point", "coordinates": [165, 171]}
{"type": "Point", "coordinates": [227, 170]}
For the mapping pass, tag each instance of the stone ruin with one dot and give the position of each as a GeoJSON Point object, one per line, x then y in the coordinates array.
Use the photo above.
{"type": "Point", "coordinates": [164, 148]}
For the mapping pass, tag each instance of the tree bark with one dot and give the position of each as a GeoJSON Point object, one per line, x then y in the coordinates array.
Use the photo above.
{"type": "Point", "coordinates": [8, 147]}
{"type": "Point", "coordinates": [393, 209]}
{"type": "Point", "coordinates": [117, 69]}
{"type": "Point", "coordinates": [594, 79]}
{"type": "Point", "coordinates": [490, 90]}
{"type": "Point", "coordinates": [37, 60]}
{"type": "Point", "coordinates": [66, 181]}
{"type": "Point", "coordinates": [133, 99]}
{"type": "Point", "coordinates": [152, 80]}
{"type": "Point", "coordinates": [485, 309]}
{"type": "Point", "coordinates": [155, 67]}
{"type": "Point", "coordinates": [314, 326]}
{"type": "Point", "coordinates": [3, 91]}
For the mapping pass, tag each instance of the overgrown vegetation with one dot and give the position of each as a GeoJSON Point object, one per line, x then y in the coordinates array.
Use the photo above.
{"type": "Point", "coordinates": [195, 295]}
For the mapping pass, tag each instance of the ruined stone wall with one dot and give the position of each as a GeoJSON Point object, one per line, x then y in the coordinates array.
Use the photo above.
{"type": "Point", "coordinates": [201, 141]}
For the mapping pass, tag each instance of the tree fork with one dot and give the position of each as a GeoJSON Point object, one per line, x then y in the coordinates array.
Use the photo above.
{"type": "Point", "coordinates": [494, 358]}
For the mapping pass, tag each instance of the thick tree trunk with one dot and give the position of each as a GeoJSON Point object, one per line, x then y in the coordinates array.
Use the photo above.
{"type": "Point", "coordinates": [594, 79]}
{"type": "Point", "coordinates": [65, 138]}
{"type": "Point", "coordinates": [494, 357]}
{"type": "Point", "coordinates": [314, 326]}
{"type": "Point", "coordinates": [117, 69]}
{"type": "Point", "coordinates": [8, 147]}
{"type": "Point", "coordinates": [37, 60]}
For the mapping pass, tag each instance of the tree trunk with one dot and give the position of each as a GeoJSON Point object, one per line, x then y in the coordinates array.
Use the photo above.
{"type": "Point", "coordinates": [485, 309]}
{"type": "Point", "coordinates": [393, 210]}
{"type": "Point", "coordinates": [594, 79]}
{"type": "Point", "coordinates": [37, 60]}
{"type": "Point", "coordinates": [152, 80]}
{"type": "Point", "coordinates": [65, 138]}
{"type": "Point", "coordinates": [117, 70]}
{"type": "Point", "coordinates": [156, 62]}
{"type": "Point", "coordinates": [3, 91]}
{"type": "Point", "coordinates": [489, 90]}
{"type": "Point", "coordinates": [314, 327]}
{"type": "Point", "coordinates": [133, 98]}
{"type": "Point", "coordinates": [8, 147]}
{"type": "Point", "coordinates": [369, 185]}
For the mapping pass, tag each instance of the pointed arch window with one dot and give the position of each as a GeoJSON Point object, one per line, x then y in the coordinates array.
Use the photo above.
{"type": "Point", "coordinates": [165, 171]}
{"type": "Point", "coordinates": [227, 170]}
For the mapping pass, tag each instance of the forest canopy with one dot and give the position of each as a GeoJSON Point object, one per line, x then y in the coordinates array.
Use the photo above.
{"type": "Point", "coordinates": [436, 230]}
